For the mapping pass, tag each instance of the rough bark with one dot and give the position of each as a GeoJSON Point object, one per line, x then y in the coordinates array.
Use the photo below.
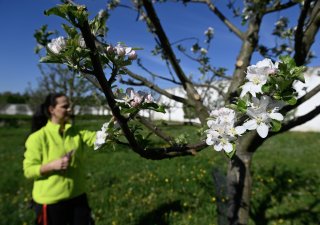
{"type": "Point", "coordinates": [243, 60]}
{"type": "Point", "coordinates": [239, 180]}
{"type": "Point", "coordinates": [306, 31]}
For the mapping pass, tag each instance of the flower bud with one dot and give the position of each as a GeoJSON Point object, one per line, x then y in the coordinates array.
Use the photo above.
{"type": "Point", "coordinates": [110, 49]}
{"type": "Point", "coordinates": [203, 51]}
{"type": "Point", "coordinates": [120, 50]}
{"type": "Point", "coordinates": [82, 43]}
{"type": "Point", "coordinates": [132, 55]}
{"type": "Point", "coordinates": [102, 13]}
{"type": "Point", "coordinates": [57, 44]}
{"type": "Point", "coordinates": [149, 98]}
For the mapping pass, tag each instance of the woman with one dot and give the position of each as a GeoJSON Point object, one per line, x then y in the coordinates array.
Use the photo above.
{"type": "Point", "coordinates": [54, 159]}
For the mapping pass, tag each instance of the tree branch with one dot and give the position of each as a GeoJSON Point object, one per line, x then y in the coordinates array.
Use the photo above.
{"type": "Point", "coordinates": [305, 38]}
{"type": "Point", "coordinates": [91, 79]}
{"type": "Point", "coordinates": [303, 99]}
{"type": "Point", "coordinates": [218, 13]}
{"type": "Point", "coordinates": [174, 151]}
{"type": "Point", "coordinates": [300, 120]}
{"type": "Point", "coordinates": [131, 82]}
{"type": "Point", "coordinates": [156, 88]}
{"type": "Point", "coordinates": [210, 86]}
{"type": "Point", "coordinates": [156, 130]}
{"type": "Point", "coordinates": [106, 87]}
{"type": "Point", "coordinates": [158, 76]}
{"type": "Point", "coordinates": [165, 44]}
{"type": "Point", "coordinates": [279, 7]}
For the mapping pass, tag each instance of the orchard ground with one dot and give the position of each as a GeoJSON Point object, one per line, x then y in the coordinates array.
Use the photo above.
{"type": "Point", "coordinates": [127, 189]}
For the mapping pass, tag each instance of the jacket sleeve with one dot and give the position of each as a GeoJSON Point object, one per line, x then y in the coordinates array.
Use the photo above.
{"type": "Point", "coordinates": [32, 158]}
{"type": "Point", "coordinates": [88, 137]}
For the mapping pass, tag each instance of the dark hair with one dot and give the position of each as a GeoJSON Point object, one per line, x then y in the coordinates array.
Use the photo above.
{"type": "Point", "coordinates": [42, 114]}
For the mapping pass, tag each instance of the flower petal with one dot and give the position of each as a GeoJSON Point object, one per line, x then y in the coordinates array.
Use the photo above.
{"type": "Point", "coordinates": [210, 141]}
{"type": "Point", "coordinates": [245, 89]}
{"type": "Point", "coordinates": [276, 116]}
{"type": "Point", "coordinates": [263, 130]}
{"type": "Point", "coordinates": [228, 147]}
{"type": "Point", "coordinates": [250, 125]}
{"type": "Point", "coordinates": [240, 130]}
{"type": "Point", "coordinates": [218, 147]}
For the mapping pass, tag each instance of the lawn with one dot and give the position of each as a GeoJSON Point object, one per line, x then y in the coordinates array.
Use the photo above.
{"type": "Point", "coordinates": [126, 189]}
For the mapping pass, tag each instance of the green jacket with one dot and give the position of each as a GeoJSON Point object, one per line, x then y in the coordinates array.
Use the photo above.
{"type": "Point", "coordinates": [46, 145]}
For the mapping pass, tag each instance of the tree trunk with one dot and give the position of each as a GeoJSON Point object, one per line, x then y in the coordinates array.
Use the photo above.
{"type": "Point", "coordinates": [243, 59]}
{"type": "Point", "coordinates": [239, 179]}
{"type": "Point", "coordinates": [239, 184]}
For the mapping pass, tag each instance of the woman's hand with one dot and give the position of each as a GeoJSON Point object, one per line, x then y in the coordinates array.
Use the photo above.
{"type": "Point", "coordinates": [56, 165]}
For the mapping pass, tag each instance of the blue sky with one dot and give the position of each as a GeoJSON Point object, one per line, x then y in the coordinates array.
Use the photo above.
{"type": "Point", "coordinates": [21, 18]}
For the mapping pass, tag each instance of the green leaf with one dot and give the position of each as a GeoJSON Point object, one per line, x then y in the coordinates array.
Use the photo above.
{"type": "Point", "coordinates": [233, 106]}
{"type": "Point", "coordinates": [153, 106]}
{"type": "Point", "coordinates": [42, 35]}
{"type": "Point", "coordinates": [301, 78]}
{"type": "Point", "coordinates": [71, 31]}
{"type": "Point", "coordinates": [57, 10]}
{"type": "Point", "coordinates": [129, 110]}
{"type": "Point", "coordinates": [288, 61]}
{"type": "Point", "coordinates": [50, 59]}
{"type": "Point", "coordinates": [291, 101]}
{"type": "Point", "coordinates": [266, 88]}
{"type": "Point", "coordinates": [275, 125]}
{"type": "Point", "coordinates": [74, 14]}
{"type": "Point", "coordinates": [242, 105]}
{"type": "Point", "coordinates": [161, 109]}
{"type": "Point", "coordinates": [276, 96]}
{"type": "Point", "coordinates": [285, 84]}
{"type": "Point", "coordinates": [149, 105]}
{"type": "Point", "coordinates": [98, 25]}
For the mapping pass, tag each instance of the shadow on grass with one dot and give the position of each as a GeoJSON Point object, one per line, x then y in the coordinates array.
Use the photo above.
{"type": "Point", "coordinates": [283, 195]}
{"type": "Point", "coordinates": [159, 216]}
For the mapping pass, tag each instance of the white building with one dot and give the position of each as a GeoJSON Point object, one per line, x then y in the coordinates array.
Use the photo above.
{"type": "Point", "coordinates": [15, 109]}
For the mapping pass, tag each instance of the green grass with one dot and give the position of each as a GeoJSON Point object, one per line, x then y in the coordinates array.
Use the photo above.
{"type": "Point", "coordinates": [127, 189]}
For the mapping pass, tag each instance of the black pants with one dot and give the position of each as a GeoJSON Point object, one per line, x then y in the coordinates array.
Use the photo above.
{"type": "Point", "coordinates": [74, 211]}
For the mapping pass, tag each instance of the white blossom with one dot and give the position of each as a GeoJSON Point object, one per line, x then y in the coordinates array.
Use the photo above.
{"type": "Point", "coordinates": [134, 99]}
{"type": "Point", "coordinates": [261, 113]}
{"type": "Point", "coordinates": [122, 50]}
{"type": "Point", "coordinates": [102, 13]}
{"type": "Point", "coordinates": [82, 43]}
{"type": "Point", "coordinates": [132, 55]}
{"type": "Point", "coordinates": [257, 75]}
{"type": "Point", "coordinates": [110, 49]}
{"type": "Point", "coordinates": [203, 51]}
{"type": "Point", "coordinates": [266, 66]}
{"type": "Point", "coordinates": [224, 115]}
{"type": "Point", "coordinates": [222, 133]}
{"type": "Point", "coordinates": [57, 44]}
{"type": "Point", "coordinates": [209, 32]}
{"type": "Point", "coordinates": [101, 136]}
{"type": "Point", "coordinates": [142, 17]}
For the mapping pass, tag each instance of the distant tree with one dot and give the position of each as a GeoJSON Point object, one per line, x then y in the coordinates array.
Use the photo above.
{"type": "Point", "coordinates": [13, 98]}
{"type": "Point", "coordinates": [58, 78]}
